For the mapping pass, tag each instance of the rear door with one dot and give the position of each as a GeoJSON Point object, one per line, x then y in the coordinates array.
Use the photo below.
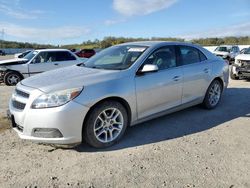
{"type": "Point", "coordinates": [65, 58]}
{"type": "Point", "coordinates": [196, 73]}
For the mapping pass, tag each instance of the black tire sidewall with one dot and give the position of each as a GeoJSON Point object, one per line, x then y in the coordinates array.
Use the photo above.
{"type": "Point", "coordinates": [88, 130]}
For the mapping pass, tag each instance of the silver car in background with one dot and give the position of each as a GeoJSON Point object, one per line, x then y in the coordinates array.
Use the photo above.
{"type": "Point", "coordinates": [121, 86]}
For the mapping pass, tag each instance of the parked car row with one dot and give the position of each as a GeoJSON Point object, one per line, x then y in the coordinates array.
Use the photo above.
{"type": "Point", "coordinates": [228, 52]}
{"type": "Point", "coordinates": [120, 86]}
{"type": "Point", "coordinates": [239, 60]}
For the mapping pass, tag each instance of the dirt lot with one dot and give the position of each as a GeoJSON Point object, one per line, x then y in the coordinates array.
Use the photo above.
{"type": "Point", "coordinates": [191, 148]}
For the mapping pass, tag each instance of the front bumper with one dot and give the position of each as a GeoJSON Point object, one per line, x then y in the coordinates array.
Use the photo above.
{"type": "Point", "coordinates": [67, 119]}
{"type": "Point", "coordinates": [242, 72]}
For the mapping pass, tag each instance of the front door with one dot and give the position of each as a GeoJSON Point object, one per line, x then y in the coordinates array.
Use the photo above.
{"type": "Point", "coordinates": [162, 90]}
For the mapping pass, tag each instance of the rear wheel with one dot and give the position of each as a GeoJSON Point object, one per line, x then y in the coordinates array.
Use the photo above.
{"type": "Point", "coordinates": [213, 95]}
{"type": "Point", "coordinates": [12, 78]}
{"type": "Point", "coordinates": [105, 124]}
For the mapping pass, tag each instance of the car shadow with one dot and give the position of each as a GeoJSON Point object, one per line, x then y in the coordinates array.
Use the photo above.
{"type": "Point", "coordinates": [234, 104]}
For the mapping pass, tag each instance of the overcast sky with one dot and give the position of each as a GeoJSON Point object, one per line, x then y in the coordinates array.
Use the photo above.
{"type": "Point", "coordinates": [75, 21]}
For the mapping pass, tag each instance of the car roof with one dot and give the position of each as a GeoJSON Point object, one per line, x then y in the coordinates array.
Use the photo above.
{"type": "Point", "coordinates": [51, 50]}
{"type": "Point", "coordinates": [158, 43]}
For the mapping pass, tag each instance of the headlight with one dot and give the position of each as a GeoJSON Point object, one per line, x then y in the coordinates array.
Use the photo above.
{"type": "Point", "coordinates": [237, 62]}
{"type": "Point", "coordinates": [55, 99]}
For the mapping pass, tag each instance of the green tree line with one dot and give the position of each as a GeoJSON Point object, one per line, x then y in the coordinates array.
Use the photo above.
{"type": "Point", "coordinates": [109, 41]}
{"type": "Point", "coordinates": [13, 44]}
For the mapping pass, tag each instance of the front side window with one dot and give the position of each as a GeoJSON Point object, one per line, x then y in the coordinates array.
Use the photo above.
{"type": "Point", "coordinates": [190, 55]}
{"type": "Point", "coordinates": [43, 57]}
{"type": "Point", "coordinates": [164, 58]}
{"type": "Point", "coordinates": [116, 57]}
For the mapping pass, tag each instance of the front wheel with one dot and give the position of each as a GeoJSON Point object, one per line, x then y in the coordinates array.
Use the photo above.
{"type": "Point", "coordinates": [213, 95]}
{"type": "Point", "coordinates": [105, 124]}
{"type": "Point", "coordinates": [12, 78]}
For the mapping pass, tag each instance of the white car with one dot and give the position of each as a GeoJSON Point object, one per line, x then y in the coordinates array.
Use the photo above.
{"type": "Point", "coordinates": [227, 52]}
{"type": "Point", "coordinates": [14, 70]}
{"type": "Point", "coordinates": [241, 66]}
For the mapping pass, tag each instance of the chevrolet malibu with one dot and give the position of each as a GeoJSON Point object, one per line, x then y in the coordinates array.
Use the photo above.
{"type": "Point", "coordinates": [121, 86]}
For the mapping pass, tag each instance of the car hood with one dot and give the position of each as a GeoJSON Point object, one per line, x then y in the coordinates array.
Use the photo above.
{"type": "Point", "coordinates": [220, 53]}
{"type": "Point", "coordinates": [15, 61]}
{"type": "Point", "coordinates": [243, 57]}
{"type": "Point", "coordinates": [69, 77]}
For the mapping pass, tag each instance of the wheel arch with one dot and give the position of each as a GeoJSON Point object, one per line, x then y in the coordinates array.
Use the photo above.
{"type": "Point", "coordinates": [220, 80]}
{"type": "Point", "coordinates": [113, 98]}
{"type": "Point", "coordinates": [9, 70]}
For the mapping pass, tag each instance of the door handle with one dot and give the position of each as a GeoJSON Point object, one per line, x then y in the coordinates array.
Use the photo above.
{"type": "Point", "coordinates": [176, 78]}
{"type": "Point", "coordinates": [206, 70]}
{"type": "Point", "coordinates": [55, 63]}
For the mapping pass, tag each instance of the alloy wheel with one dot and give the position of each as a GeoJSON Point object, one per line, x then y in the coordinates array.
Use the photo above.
{"type": "Point", "coordinates": [13, 79]}
{"type": "Point", "coordinates": [214, 94]}
{"type": "Point", "coordinates": [108, 125]}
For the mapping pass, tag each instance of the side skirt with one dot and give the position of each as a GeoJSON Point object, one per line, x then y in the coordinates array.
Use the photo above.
{"type": "Point", "coordinates": [169, 111]}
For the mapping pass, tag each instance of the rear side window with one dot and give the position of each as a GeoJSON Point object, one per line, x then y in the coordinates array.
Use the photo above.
{"type": "Point", "coordinates": [64, 56]}
{"type": "Point", "coordinates": [191, 55]}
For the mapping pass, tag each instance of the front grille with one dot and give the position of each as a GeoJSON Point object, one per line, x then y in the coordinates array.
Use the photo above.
{"type": "Point", "coordinates": [19, 99]}
{"type": "Point", "coordinates": [21, 93]}
{"type": "Point", "coordinates": [18, 105]}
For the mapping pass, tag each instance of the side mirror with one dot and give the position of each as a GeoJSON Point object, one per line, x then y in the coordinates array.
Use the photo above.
{"type": "Point", "coordinates": [148, 68]}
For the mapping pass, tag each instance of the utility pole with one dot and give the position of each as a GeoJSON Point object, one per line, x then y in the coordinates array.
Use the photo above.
{"type": "Point", "coordinates": [3, 32]}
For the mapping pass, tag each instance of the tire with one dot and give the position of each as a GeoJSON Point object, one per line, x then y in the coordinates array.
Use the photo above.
{"type": "Point", "coordinates": [100, 130]}
{"type": "Point", "coordinates": [213, 95]}
{"type": "Point", "coordinates": [11, 78]}
{"type": "Point", "coordinates": [233, 76]}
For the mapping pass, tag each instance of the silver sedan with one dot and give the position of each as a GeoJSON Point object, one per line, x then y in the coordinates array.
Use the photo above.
{"type": "Point", "coordinates": [121, 86]}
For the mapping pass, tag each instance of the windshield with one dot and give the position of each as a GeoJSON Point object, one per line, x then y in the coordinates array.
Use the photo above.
{"type": "Point", "coordinates": [30, 55]}
{"type": "Point", "coordinates": [247, 51]}
{"type": "Point", "coordinates": [222, 49]}
{"type": "Point", "coordinates": [116, 57]}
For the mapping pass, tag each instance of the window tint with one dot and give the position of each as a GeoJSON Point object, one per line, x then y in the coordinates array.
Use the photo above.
{"type": "Point", "coordinates": [64, 56]}
{"type": "Point", "coordinates": [190, 55]}
{"type": "Point", "coordinates": [164, 58]}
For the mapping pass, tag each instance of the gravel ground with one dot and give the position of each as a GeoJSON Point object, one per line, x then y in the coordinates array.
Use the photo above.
{"type": "Point", "coordinates": [191, 148]}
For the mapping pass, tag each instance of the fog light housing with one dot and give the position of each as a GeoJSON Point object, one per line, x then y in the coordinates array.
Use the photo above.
{"type": "Point", "coordinates": [46, 133]}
